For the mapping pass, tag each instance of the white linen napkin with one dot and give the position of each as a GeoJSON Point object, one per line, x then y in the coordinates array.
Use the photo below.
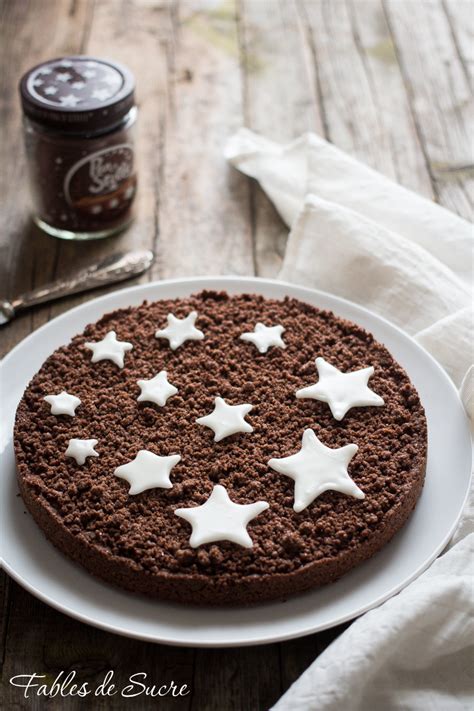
{"type": "Point", "coordinates": [357, 234]}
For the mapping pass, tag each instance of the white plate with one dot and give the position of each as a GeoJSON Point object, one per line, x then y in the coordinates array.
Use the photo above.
{"type": "Point", "coordinates": [37, 566]}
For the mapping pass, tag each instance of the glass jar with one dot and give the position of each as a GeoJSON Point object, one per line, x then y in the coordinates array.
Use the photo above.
{"type": "Point", "coordinates": [79, 117]}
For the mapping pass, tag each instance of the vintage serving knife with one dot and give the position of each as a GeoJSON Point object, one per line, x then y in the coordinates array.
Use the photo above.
{"type": "Point", "coordinates": [116, 267]}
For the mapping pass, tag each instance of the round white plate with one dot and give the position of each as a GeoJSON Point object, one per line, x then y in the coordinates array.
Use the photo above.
{"type": "Point", "coordinates": [37, 566]}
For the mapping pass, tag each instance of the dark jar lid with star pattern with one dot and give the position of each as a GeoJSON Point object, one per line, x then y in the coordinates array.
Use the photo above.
{"type": "Point", "coordinates": [80, 95]}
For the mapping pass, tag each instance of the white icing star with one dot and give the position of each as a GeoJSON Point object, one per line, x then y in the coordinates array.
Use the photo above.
{"type": "Point", "coordinates": [147, 471]}
{"type": "Point", "coordinates": [180, 330]}
{"type": "Point", "coordinates": [109, 349]}
{"type": "Point", "coordinates": [220, 519]}
{"type": "Point", "coordinates": [265, 336]}
{"type": "Point", "coordinates": [157, 389]}
{"type": "Point", "coordinates": [89, 73]}
{"type": "Point", "coordinates": [80, 449]}
{"type": "Point", "coordinates": [66, 63]}
{"type": "Point", "coordinates": [317, 468]}
{"type": "Point", "coordinates": [78, 85]}
{"type": "Point", "coordinates": [226, 419]}
{"type": "Point", "coordinates": [101, 94]}
{"type": "Point", "coordinates": [50, 90]}
{"type": "Point", "coordinates": [69, 100]}
{"type": "Point", "coordinates": [63, 404]}
{"type": "Point", "coordinates": [38, 82]}
{"type": "Point", "coordinates": [341, 391]}
{"type": "Point", "coordinates": [63, 76]}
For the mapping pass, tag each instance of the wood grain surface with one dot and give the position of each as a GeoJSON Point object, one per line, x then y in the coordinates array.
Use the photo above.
{"type": "Point", "coordinates": [389, 81]}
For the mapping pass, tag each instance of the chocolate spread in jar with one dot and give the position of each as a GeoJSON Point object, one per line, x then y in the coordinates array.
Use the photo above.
{"type": "Point", "coordinates": [79, 123]}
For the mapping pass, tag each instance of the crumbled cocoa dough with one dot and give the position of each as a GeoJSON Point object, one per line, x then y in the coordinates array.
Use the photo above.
{"type": "Point", "coordinates": [137, 541]}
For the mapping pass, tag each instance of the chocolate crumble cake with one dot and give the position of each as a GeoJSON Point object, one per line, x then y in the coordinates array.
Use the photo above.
{"type": "Point", "coordinates": [105, 514]}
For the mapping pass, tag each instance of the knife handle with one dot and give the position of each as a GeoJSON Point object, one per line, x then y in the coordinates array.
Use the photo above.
{"type": "Point", "coordinates": [116, 267]}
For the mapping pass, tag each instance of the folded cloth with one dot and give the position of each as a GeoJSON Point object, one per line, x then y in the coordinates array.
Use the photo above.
{"type": "Point", "coordinates": [361, 236]}
{"type": "Point", "coordinates": [409, 654]}
{"type": "Point", "coordinates": [311, 165]}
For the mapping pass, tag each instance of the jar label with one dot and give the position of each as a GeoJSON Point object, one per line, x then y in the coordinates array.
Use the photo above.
{"type": "Point", "coordinates": [103, 182]}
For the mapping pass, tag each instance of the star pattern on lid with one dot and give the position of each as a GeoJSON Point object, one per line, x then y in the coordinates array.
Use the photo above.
{"type": "Point", "coordinates": [101, 94]}
{"type": "Point", "coordinates": [69, 82]}
{"type": "Point", "coordinates": [69, 100]}
{"type": "Point", "coordinates": [226, 420]}
{"type": "Point", "coordinates": [317, 468]}
{"type": "Point", "coordinates": [80, 449]}
{"type": "Point", "coordinates": [157, 389]}
{"type": "Point", "coordinates": [147, 471]}
{"type": "Point", "coordinates": [180, 330]}
{"type": "Point", "coordinates": [111, 80]}
{"type": "Point", "coordinates": [341, 391]}
{"type": "Point", "coordinates": [63, 404]}
{"type": "Point", "coordinates": [109, 348]}
{"type": "Point", "coordinates": [220, 519]}
{"type": "Point", "coordinates": [263, 337]}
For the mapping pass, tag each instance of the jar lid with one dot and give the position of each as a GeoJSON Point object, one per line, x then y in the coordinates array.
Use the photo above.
{"type": "Point", "coordinates": [77, 94]}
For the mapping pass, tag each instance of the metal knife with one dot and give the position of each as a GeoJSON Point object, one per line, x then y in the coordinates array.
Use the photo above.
{"type": "Point", "coordinates": [116, 267]}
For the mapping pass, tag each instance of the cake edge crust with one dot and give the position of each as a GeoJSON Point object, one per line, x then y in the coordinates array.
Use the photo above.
{"type": "Point", "coordinates": [222, 590]}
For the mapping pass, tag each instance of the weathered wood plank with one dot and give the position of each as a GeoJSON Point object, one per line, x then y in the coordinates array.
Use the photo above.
{"type": "Point", "coordinates": [362, 89]}
{"type": "Point", "coordinates": [440, 96]}
{"type": "Point", "coordinates": [280, 101]}
{"type": "Point", "coordinates": [299, 654]}
{"type": "Point", "coordinates": [378, 54]}
{"type": "Point", "coordinates": [460, 18]}
{"type": "Point", "coordinates": [203, 228]}
{"type": "Point", "coordinates": [350, 104]}
{"type": "Point", "coordinates": [236, 679]}
{"type": "Point", "coordinates": [5, 596]}
{"type": "Point", "coordinates": [280, 97]}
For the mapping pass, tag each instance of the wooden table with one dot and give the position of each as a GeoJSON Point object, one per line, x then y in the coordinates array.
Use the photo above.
{"type": "Point", "coordinates": [385, 80]}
